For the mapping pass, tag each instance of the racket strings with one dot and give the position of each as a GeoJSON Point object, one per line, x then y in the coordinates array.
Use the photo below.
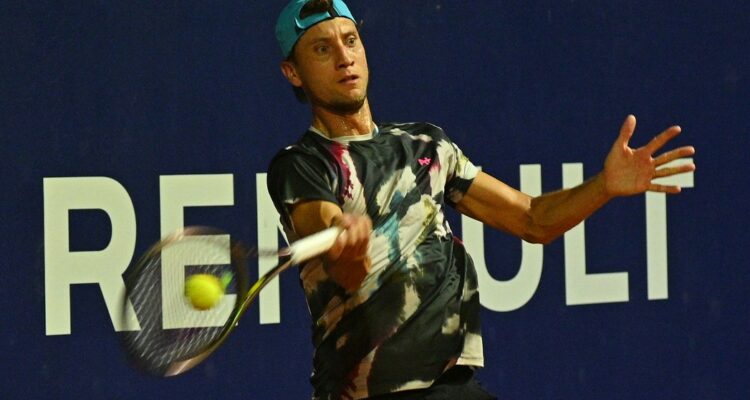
{"type": "Point", "coordinates": [154, 348]}
{"type": "Point", "coordinates": [174, 336]}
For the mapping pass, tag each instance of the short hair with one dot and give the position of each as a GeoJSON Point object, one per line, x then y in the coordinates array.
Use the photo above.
{"type": "Point", "coordinates": [299, 93]}
{"type": "Point", "coordinates": [312, 7]}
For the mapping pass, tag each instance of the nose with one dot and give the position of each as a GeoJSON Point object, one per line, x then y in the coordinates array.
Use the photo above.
{"type": "Point", "coordinates": [344, 56]}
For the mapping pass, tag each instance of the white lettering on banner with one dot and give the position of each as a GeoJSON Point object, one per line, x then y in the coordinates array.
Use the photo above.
{"type": "Point", "coordinates": [656, 232]}
{"type": "Point", "coordinates": [515, 293]}
{"type": "Point", "coordinates": [580, 287]}
{"type": "Point", "coordinates": [268, 221]}
{"type": "Point", "coordinates": [64, 268]}
{"type": "Point", "coordinates": [176, 193]}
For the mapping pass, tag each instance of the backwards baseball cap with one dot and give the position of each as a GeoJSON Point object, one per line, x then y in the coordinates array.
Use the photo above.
{"type": "Point", "coordinates": [290, 27]}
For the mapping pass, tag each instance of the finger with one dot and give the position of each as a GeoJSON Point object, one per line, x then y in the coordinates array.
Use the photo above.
{"type": "Point", "coordinates": [626, 131]}
{"type": "Point", "coordinates": [661, 139]}
{"type": "Point", "coordinates": [361, 236]}
{"type": "Point", "coordinates": [674, 155]}
{"type": "Point", "coordinates": [352, 235]}
{"type": "Point", "coordinates": [363, 230]}
{"type": "Point", "coordinates": [669, 189]}
{"type": "Point", "coordinates": [669, 171]}
{"type": "Point", "coordinates": [360, 250]}
{"type": "Point", "coordinates": [338, 247]}
{"type": "Point", "coordinates": [338, 220]}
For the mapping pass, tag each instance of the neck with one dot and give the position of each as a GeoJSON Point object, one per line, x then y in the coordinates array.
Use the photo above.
{"type": "Point", "coordinates": [335, 124]}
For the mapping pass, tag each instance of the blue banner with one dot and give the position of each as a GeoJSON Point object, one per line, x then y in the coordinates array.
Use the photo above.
{"type": "Point", "coordinates": [120, 121]}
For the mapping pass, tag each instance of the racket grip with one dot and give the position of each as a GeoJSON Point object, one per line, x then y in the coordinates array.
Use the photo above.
{"type": "Point", "coordinates": [314, 245]}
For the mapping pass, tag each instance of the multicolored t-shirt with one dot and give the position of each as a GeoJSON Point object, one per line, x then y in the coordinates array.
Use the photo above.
{"type": "Point", "coordinates": [417, 311]}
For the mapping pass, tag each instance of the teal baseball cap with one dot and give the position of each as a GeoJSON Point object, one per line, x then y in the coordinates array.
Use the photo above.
{"type": "Point", "coordinates": [290, 27]}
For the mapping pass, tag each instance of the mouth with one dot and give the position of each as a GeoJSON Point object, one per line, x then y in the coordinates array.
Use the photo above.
{"type": "Point", "coordinates": [350, 79]}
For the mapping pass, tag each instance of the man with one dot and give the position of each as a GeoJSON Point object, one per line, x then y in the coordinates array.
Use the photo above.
{"type": "Point", "coordinates": [394, 303]}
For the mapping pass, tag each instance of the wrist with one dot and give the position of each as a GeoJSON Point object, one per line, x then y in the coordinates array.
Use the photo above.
{"type": "Point", "coordinates": [602, 188]}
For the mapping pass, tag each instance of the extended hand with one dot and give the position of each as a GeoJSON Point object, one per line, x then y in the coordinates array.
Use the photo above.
{"type": "Point", "coordinates": [630, 171]}
{"type": "Point", "coordinates": [347, 262]}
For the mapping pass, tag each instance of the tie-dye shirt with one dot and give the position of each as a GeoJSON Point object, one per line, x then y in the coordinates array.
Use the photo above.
{"type": "Point", "coordinates": [417, 311]}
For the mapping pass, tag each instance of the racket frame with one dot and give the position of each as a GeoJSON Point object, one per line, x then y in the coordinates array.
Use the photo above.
{"type": "Point", "coordinates": [298, 252]}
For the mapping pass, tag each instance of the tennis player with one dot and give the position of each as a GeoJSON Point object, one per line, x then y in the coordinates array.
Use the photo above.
{"type": "Point", "coordinates": [394, 304]}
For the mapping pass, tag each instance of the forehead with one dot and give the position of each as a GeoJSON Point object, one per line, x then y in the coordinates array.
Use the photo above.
{"type": "Point", "coordinates": [328, 29]}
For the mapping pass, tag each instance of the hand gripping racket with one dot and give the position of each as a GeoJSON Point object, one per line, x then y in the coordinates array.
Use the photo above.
{"type": "Point", "coordinates": [173, 336]}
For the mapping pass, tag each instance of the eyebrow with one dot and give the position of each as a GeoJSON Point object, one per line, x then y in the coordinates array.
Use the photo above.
{"type": "Point", "coordinates": [347, 32]}
{"type": "Point", "coordinates": [320, 39]}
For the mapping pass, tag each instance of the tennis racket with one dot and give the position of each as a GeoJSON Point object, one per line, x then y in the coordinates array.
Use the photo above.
{"type": "Point", "coordinates": [175, 337]}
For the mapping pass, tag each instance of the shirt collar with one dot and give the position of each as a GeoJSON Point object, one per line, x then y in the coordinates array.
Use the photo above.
{"type": "Point", "coordinates": [347, 139]}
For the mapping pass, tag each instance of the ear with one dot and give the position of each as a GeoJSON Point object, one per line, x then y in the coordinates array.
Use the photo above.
{"type": "Point", "coordinates": [290, 73]}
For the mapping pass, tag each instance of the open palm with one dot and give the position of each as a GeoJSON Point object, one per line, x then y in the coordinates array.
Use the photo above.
{"type": "Point", "coordinates": [629, 171]}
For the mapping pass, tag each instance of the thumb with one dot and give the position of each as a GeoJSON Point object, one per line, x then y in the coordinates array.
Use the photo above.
{"type": "Point", "coordinates": [626, 131]}
{"type": "Point", "coordinates": [338, 247]}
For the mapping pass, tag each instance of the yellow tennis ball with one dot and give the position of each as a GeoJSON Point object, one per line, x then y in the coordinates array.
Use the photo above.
{"type": "Point", "coordinates": [203, 291]}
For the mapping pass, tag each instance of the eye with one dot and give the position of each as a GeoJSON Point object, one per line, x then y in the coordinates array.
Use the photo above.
{"type": "Point", "coordinates": [351, 41]}
{"type": "Point", "coordinates": [322, 50]}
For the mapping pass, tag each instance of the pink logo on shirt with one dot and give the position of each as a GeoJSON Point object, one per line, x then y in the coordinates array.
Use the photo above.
{"type": "Point", "coordinates": [424, 161]}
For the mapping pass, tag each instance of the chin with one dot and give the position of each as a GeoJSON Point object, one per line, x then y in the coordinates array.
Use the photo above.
{"type": "Point", "coordinates": [347, 106]}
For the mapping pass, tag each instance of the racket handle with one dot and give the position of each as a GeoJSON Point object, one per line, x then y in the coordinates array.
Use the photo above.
{"type": "Point", "coordinates": [314, 245]}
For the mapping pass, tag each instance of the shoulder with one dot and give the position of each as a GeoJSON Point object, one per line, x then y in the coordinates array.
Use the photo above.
{"type": "Point", "coordinates": [414, 129]}
{"type": "Point", "coordinates": [410, 127]}
{"type": "Point", "coordinates": [306, 151]}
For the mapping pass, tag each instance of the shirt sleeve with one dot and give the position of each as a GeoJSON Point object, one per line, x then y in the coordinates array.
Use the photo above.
{"type": "Point", "coordinates": [460, 176]}
{"type": "Point", "coordinates": [295, 176]}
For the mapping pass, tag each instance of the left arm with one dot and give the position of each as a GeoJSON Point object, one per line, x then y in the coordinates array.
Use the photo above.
{"type": "Point", "coordinates": [541, 219]}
